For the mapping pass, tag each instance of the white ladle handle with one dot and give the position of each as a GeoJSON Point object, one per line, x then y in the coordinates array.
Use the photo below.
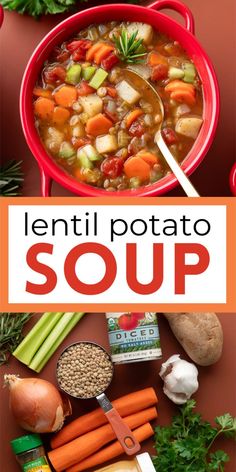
{"type": "Point", "coordinates": [176, 169]}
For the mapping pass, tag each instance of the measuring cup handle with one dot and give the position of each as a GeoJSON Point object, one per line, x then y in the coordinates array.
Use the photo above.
{"type": "Point", "coordinates": [124, 434]}
{"type": "Point", "coordinates": [46, 183]}
{"type": "Point", "coordinates": [176, 6]}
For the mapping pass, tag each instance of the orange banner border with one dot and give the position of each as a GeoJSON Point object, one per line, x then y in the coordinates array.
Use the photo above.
{"type": "Point", "coordinates": [229, 202]}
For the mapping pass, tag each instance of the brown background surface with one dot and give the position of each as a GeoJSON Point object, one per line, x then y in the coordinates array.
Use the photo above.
{"type": "Point", "coordinates": [215, 396]}
{"type": "Point", "coordinates": [215, 24]}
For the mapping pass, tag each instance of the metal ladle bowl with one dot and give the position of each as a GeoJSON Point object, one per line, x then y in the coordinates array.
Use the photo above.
{"type": "Point", "coordinates": [122, 431]}
{"type": "Point", "coordinates": [156, 101]}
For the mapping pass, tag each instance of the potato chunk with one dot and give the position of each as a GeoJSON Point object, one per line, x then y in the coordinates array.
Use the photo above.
{"type": "Point", "coordinates": [127, 93]}
{"type": "Point", "coordinates": [106, 143]}
{"type": "Point", "coordinates": [92, 104]}
{"type": "Point", "coordinates": [189, 126]}
{"type": "Point", "coordinates": [145, 32]}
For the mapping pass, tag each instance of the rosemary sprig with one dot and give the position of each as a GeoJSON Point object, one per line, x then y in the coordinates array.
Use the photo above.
{"type": "Point", "coordinates": [128, 47]}
{"type": "Point", "coordinates": [11, 326]}
{"type": "Point", "coordinates": [11, 178]}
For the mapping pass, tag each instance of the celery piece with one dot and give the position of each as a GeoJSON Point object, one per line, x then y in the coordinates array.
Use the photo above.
{"type": "Point", "coordinates": [175, 73]}
{"type": "Point", "coordinates": [66, 150]}
{"type": "Point", "coordinates": [36, 336]}
{"type": "Point", "coordinates": [91, 153]}
{"type": "Point", "coordinates": [84, 161]}
{"type": "Point", "coordinates": [73, 74]}
{"type": "Point", "coordinates": [98, 78]}
{"type": "Point", "coordinates": [70, 326]}
{"type": "Point", "coordinates": [189, 72]}
{"type": "Point", "coordinates": [55, 338]}
{"type": "Point", "coordinates": [88, 72]}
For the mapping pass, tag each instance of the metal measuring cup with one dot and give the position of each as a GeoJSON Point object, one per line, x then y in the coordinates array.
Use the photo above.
{"type": "Point", "coordinates": [121, 429]}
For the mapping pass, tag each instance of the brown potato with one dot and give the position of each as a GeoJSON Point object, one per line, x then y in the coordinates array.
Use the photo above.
{"type": "Point", "coordinates": [200, 334]}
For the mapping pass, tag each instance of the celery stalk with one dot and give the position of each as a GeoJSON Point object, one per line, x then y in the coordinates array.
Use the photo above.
{"type": "Point", "coordinates": [98, 78]}
{"type": "Point", "coordinates": [35, 338]}
{"type": "Point", "coordinates": [55, 338]}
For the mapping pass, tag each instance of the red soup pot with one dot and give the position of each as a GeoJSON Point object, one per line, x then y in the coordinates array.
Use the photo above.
{"type": "Point", "coordinates": [67, 28]}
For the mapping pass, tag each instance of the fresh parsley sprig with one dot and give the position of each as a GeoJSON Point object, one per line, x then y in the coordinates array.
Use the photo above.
{"type": "Point", "coordinates": [38, 7]}
{"type": "Point", "coordinates": [128, 47]}
{"type": "Point", "coordinates": [185, 445]}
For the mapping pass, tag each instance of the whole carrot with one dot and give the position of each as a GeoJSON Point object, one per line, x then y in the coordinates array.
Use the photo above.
{"type": "Point", "coordinates": [110, 452]}
{"type": "Point", "coordinates": [86, 445]}
{"type": "Point", "coordinates": [126, 405]}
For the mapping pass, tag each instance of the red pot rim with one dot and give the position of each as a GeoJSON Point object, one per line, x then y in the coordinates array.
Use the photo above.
{"type": "Point", "coordinates": [1, 15]}
{"type": "Point", "coordinates": [65, 29]}
{"type": "Point", "coordinates": [232, 180]}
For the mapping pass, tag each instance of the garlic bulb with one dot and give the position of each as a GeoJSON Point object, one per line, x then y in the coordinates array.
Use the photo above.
{"type": "Point", "coordinates": [180, 379]}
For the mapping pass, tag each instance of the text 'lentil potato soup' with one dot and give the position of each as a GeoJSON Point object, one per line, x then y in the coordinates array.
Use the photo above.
{"type": "Point", "coordinates": [98, 124]}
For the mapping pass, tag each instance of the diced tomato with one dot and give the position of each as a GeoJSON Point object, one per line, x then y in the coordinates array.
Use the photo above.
{"type": "Point", "coordinates": [84, 88]}
{"type": "Point", "coordinates": [79, 142]}
{"type": "Point", "coordinates": [159, 72]}
{"type": "Point", "coordinates": [63, 56]}
{"type": "Point", "coordinates": [83, 44]}
{"type": "Point", "coordinates": [169, 136]}
{"type": "Point", "coordinates": [112, 92]}
{"type": "Point", "coordinates": [112, 167]}
{"type": "Point", "coordinates": [55, 75]}
{"type": "Point", "coordinates": [60, 55]}
{"type": "Point", "coordinates": [78, 49]}
{"type": "Point", "coordinates": [79, 55]}
{"type": "Point", "coordinates": [110, 61]}
{"type": "Point", "coordinates": [136, 129]}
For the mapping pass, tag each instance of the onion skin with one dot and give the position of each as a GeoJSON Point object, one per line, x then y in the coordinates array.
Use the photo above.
{"type": "Point", "coordinates": [36, 404]}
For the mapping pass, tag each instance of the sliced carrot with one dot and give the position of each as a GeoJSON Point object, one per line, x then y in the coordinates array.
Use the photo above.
{"type": "Point", "coordinates": [148, 157]}
{"type": "Point", "coordinates": [91, 51]}
{"type": "Point", "coordinates": [65, 96]}
{"type": "Point", "coordinates": [132, 116]}
{"type": "Point", "coordinates": [113, 450]}
{"type": "Point", "coordinates": [102, 53]}
{"type": "Point", "coordinates": [179, 84]}
{"type": "Point", "coordinates": [183, 96]}
{"type": "Point", "coordinates": [126, 405]}
{"type": "Point", "coordinates": [137, 167]}
{"type": "Point", "coordinates": [60, 115]}
{"type": "Point", "coordinates": [155, 58]}
{"type": "Point", "coordinates": [98, 124]}
{"type": "Point", "coordinates": [43, 108]}
{"type": "Point", "coordinates": [41, 92]}
{"type": "Point", "coordinates": [112, 91]}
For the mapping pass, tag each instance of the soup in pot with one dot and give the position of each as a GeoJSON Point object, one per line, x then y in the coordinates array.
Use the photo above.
{"type": "Point", "coordinates": [98, 122]}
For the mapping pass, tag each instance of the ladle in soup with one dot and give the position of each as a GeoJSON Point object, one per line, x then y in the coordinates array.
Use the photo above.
{"type": "Point", "coordinates": [96, 365]}
{"type": "Point", "coordinates": [157, 104]}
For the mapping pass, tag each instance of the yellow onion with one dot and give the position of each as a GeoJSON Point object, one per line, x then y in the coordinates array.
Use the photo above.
{"type": "Point", "coordinates": [36, 404]}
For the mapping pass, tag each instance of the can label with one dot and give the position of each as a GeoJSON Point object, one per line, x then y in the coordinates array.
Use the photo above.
{"type": "Point", "coordinates": [38, 465]}
{"type": "Point", "coordinates": [133, 337]}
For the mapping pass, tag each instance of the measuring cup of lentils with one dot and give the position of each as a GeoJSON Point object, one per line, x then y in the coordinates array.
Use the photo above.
{"type": "Point", "coordinates": [84, 370]}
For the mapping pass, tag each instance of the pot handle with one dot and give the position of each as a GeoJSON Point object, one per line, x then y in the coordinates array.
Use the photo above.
{"type": "Point", "coordinates": [176, 6]}
{"type": "Point", "coordinates": [46, 183]}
